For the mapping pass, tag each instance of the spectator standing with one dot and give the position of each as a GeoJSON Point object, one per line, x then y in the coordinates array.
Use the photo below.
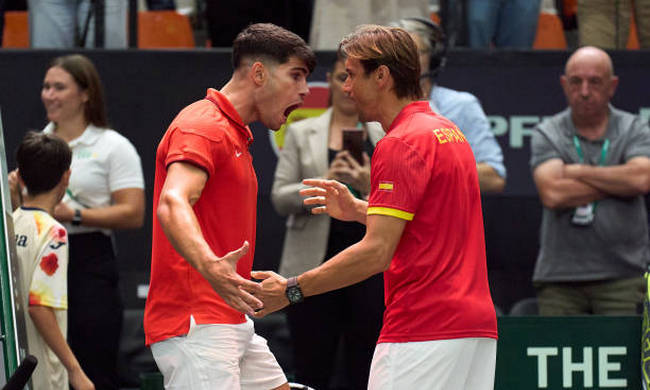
{"type": "Point", "coordinates": [62, 24]}
{"type": "Point", "coordinates": [42, 249]}
{"type": "Point", "coordinates": [105, 192]}
{"type": "Point", "coordinates": [502, 23]}
{"type": "Point", "coordinates": [606, 23]}
{"type": "Point", "coordinates": [333, 19]}
{"type": "Point", "coordinates": [591, 165]}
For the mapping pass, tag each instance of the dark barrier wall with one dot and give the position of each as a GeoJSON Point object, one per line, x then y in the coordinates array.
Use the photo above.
{"type": "Point", "coordinates": [145, 90]}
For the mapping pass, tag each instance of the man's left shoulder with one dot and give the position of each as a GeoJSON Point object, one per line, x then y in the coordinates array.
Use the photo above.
{"type": "Point", "coordinates": [626, 124]}
{"type": "Point", "coordinates": [431, 121]}
{"type": "Point", "coordinates": [627, 119]}
{"type": "Point", "coordinates": [426, 127]}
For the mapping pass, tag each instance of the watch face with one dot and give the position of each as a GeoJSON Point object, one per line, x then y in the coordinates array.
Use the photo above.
{"type": "Point", "coordinates": [294, 294]}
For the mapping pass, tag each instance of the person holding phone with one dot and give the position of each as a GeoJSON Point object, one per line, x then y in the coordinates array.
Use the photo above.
{"type": "Point", "coordinates": [350, 318]}
{"type": "Point", "coordinates": [353, 143]}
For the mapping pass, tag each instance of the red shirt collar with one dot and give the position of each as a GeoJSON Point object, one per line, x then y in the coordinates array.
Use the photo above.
{"type": "Point", "coordinates": [408, 110]}
{"type": "Point", "coordinates": [221, 101]}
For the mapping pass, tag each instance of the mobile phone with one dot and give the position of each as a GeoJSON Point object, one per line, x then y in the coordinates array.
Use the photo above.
{"type": "Point", "coordinates": [353, 143]}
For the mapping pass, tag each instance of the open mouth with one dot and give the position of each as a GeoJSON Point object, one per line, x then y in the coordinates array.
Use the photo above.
{"type": "Point", "coordinates": [290, 109]}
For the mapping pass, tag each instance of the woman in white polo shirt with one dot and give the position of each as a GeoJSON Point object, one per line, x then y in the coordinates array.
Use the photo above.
{"type": "Point", "coordinates": [106, 192]}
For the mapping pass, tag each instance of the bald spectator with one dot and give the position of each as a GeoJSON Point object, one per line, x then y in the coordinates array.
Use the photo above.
{"type": "Point", "coordinates": [591, 166]}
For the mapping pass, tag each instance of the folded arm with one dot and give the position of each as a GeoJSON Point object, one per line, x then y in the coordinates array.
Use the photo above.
{"type": "Point", "coordinates": [556, 191]}
{"type": "Point", "coordinates": [629, 179]}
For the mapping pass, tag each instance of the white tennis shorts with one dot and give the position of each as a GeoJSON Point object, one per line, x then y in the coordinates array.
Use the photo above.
{"type": "Point", "coordinates": [218, 356]}
{"type": "Point", "coordinates": [456, 364]}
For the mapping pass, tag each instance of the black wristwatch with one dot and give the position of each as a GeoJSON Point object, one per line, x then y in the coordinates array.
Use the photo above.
{"type": "Point", "coordinates": [76, 218]}
{"type": "Point", "coordinates": [293, 291]}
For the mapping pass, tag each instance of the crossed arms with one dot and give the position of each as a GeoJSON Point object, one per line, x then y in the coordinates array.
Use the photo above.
{"type": "Point", "coordinates": [563, 185]}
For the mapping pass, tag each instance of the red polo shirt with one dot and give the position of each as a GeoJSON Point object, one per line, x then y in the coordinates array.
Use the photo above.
{"type": "Point", "coordinates": [210, 135]}
{"type": "Point", "coordinates": [436, 287]}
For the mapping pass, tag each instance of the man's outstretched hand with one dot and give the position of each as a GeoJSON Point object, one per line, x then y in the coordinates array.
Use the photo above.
{"type": "Point", "coordinates": [271, 292]}
{"type": "Point", "coordinates": [231, 287]}
{"type": "Point", "coordinates": [332, 198]}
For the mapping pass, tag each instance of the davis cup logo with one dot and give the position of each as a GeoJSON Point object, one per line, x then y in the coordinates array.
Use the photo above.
{"type": "Point", "coordinates": [314, 105]}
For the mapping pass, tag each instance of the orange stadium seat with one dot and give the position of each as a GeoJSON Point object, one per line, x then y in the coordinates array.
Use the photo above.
{"type": "Point", "coordinates": [633, 39]}
{"type": "Point", "coordinates": [435, 17]}
{"type": "Point", "coordinates": [164, 29]}
{"type": "Point", "coordinates": [550, 33]}
{"type": "Point", "coordinates": [16, 30]}
{"type": "Point", "coordinates": [569, 7]}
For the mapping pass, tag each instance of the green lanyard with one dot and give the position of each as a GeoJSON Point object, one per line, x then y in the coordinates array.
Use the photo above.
{"type": "Point", "coordinates": [603, 155]}
{"type": "Point", "coordinates": [71, 195]}
{"type": "Point", "coordinates": [603, 151]}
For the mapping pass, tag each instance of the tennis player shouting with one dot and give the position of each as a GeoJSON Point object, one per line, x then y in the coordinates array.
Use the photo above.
{"type": "Point", "coordinates": [205, 196]}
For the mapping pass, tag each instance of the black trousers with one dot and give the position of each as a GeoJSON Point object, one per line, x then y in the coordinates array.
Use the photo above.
{"type": "Point", "coordinates": [95, 307]}
{"type": "Point", "coordinates": [227, 18]}
{"type": "Point", "coordinates": [342, 323]}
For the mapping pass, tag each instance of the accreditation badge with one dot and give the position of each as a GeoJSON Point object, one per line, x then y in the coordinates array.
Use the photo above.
{"type": "Point", "coordinates": [583, 215]}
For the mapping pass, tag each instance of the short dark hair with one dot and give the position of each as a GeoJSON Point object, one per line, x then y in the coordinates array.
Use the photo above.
{"type": "Point", "coordinates": [393, 47]}
{"type": "Point", "coordinates": [85, 74]}
{"type": "Point", "coordinates": [42, 160]}
{"type": "Point", "coordinates": [266, 41]}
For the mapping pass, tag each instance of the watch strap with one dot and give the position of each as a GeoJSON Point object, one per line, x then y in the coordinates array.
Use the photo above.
{"type": "Point", "coordinates": [76, 218]}
{"type": "Point", "coordinates": [293, 291]}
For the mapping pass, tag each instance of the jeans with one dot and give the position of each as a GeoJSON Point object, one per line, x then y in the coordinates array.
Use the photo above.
{"type": "Point", "coordinates": [504, 23]}
{"type": "Point", "coordinates": [59, 23]}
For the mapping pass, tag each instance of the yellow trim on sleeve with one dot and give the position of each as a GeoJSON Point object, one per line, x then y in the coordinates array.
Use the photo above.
{"type": "Point", "coordinates": [385, 186]}
{"type": "Point", "coordinates": [390, 212]}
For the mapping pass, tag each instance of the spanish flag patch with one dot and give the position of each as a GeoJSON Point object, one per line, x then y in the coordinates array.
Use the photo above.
{"type": "Point", "coordinates": [385, 186]}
